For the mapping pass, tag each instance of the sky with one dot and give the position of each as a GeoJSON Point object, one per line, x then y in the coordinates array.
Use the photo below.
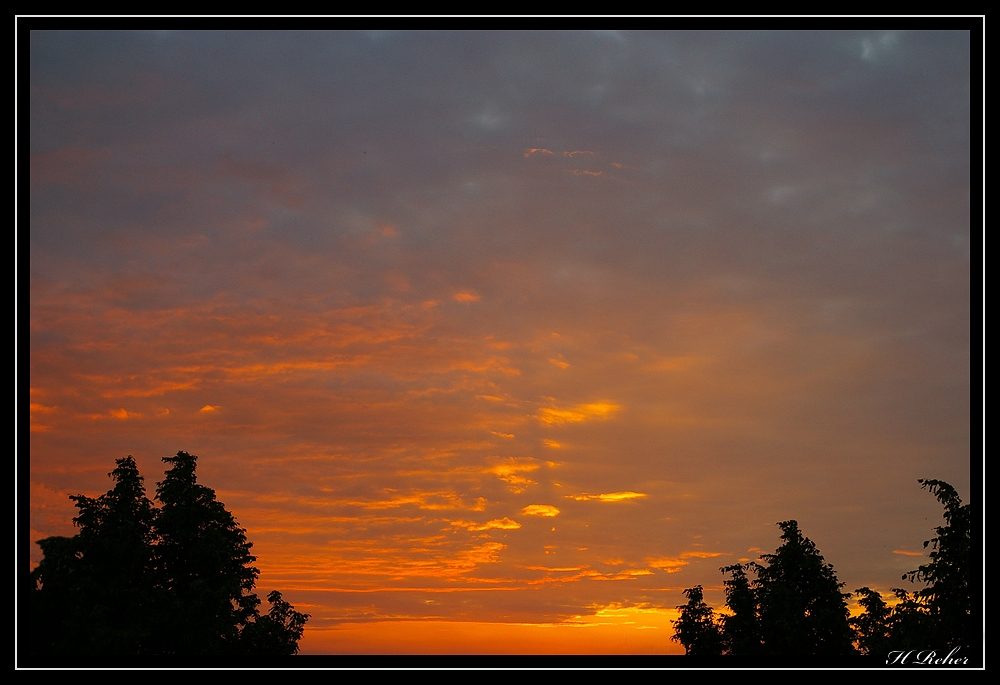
{"type": "Point", "coordinates": [495, 342]}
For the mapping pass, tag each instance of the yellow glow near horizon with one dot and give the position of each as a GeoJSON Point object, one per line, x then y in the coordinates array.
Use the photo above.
{"type": "Point", "coordinates": [612, 629]}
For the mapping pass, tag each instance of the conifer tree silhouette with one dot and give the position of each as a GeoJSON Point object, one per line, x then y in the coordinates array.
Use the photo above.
{"type": "Point", "coordinates": [137, 580]}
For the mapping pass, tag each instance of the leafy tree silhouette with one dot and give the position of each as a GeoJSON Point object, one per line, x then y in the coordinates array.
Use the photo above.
{"type": "Point", "coordinates": [145, 581]}
{"type": "Point", "coordinates": [741, 629]}
{"type": "Point", "coordinates": [872, 627]}
{"type": "Point", "coordinates": [947, 575]}
{"type": "Point", "coordinates": [698, 628]}
{"type": "Point", "coordinates": [792, 606]}
{"type": "Point", "coordinates": [939, 614]}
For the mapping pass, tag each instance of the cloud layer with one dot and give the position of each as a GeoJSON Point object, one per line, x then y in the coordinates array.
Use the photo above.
{"type": "Point", "coordinates": [463, 325]}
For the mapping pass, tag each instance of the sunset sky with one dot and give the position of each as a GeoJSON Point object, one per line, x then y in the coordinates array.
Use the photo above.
{"type": "Point", "coordinates": [495, 342]}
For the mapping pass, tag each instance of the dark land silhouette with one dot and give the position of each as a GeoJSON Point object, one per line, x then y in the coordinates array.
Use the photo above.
{"type": "Point", "coordinates": [141, 580]}
{"type": "Point", "coordinates": [792, 603]}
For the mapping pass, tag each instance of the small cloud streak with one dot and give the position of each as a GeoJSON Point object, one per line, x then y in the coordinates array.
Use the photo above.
{"type": "Point", "coordinates": [577, 414]}
{"type": "Point", "coordinates": [907, 553]}
{"type": "Point", "coordinates": [546, 510]}
{"type": "Point", "coordinates": [431, 501]}
{"type": "Point", "coordinates": [496, 524]}
{"type": "Point", "coordinates": [675, 564]}
{"type": "Point", "coordinates": [608, 497]}
{"type": "Point", "coordinates": [508, 471]}
{"type": "Point", "coordinates": [120, 414]}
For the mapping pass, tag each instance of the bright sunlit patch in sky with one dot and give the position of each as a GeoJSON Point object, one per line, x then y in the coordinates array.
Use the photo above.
{"type": "Point", "coordinates": [609, 496]}
{"type": "Point", "coordinates": [582, 412]}
{"type": "Point", "coordinates": [546, 510]}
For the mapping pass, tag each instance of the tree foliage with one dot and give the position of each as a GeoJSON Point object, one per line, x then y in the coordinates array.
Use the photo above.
{"type": "Point", "coordinates": [939, 614]}
{"type": "Point", "coordinates": [801, 608]}
{"type": "Point", "coordinates": [741, 628]}
{"type": "Point", "coordinates": [790, 604]}
{"type": "Point", "coordinates": [946, 594]}
{"type": "Point", "coordinates": [143, 580]}
{"type": "Point", "coordinates": [698, 628]}
{"type": "Point", "coordinates": [872, 627]}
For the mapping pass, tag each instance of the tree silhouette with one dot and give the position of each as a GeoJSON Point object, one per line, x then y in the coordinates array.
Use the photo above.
{"type": "Point", "coordinates": [91, 594]}
{"type": "Point", "coordinates": [938, 615]}
{"type": "Point", "coordinates": [741, 629]}
{"type": "Point", "coordinates": [802, 610]}
{"type": "Point", "coordinates": [278, 631]}
{"type": "Point", "coordinates": [947, 575]}
{"type": "Point", "coordinates": [138, 580]}
{"type": "Point", "coordinates": [203, 562]}
{"type": "Point", "coordinates": [791, 606]}
{"type": "Point", "coordinates": [873, 627]}
{"type": "Point", "coordinates": [698, 628]}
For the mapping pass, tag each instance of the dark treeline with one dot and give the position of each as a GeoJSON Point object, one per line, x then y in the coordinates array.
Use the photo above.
{"type": "Point", "coordinates": [142, 580]}
{"type": "Point", "coordinates": [792, 604]}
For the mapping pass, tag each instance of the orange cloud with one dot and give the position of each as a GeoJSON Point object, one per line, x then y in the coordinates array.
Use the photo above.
{"type": "Point", "coordinates": [120, 414]}
{"type": "Point", "coordinates": [508, 471]}
{"type": "Point", "coordinates": [629, 574]}
{"type": "Point", "coordinates": [668, 564]}
{"type": "Point", "coordinates": [581, 412]}
{"type": "Point", "coordinates": [466, 296]}
{"type": "Point", "coordinates": [34, 408]}
{"type": "Point", "coordinates": [674, 564]}
{"type": "Point", "coordinates": [546, 510]}
{"type": "Point", "coordinates": [608, 497]}
{"type": "Point", "coordinates": [500, 524]}
{"type": "Point", "coordinates": [432, 501]}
